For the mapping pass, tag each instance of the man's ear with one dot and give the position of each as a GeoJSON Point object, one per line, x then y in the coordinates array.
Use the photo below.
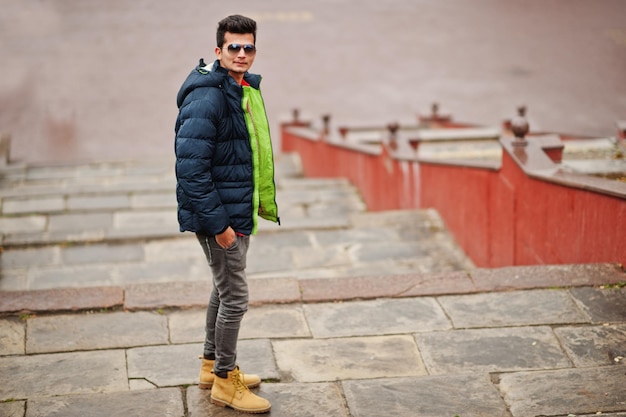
{"type": "Point", "coordinates": [218, 52]}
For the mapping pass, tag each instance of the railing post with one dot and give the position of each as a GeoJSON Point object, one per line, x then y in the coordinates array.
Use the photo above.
{"type": "Point", "coordinates": [326, 124]}
{"type": "Point", "coordinates": [519, 126]}
{"type": "Point", "coordinates": [393, 135]}
{"type": "Point", "coordinates": [5, 148]}
{"type": "Point", "coordinates": [435, 119]}
{"type": "Point", "coordinates": [296, 116]}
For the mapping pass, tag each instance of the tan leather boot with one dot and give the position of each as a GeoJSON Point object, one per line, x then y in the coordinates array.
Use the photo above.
{"type": "Point", "coordinates": [207, 376]}
{"type": "Point", "coordinates": [232, 392]}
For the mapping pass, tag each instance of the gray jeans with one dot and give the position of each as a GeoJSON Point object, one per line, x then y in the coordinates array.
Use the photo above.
{"type": "Point", "coordinates": [229, 299]}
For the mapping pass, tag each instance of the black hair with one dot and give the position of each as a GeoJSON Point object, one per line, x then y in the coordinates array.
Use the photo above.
{"type": "Point", "coordinates": [235, 24]}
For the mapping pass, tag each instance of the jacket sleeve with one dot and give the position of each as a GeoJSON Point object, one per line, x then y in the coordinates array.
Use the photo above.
{"type": "Point", "coordinates": [199, 206]}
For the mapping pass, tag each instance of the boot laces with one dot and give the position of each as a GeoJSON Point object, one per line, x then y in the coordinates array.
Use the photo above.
{"type": "Point", "coordinates": [237, 378]}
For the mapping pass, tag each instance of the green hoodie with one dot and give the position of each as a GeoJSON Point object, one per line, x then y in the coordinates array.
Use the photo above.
{"type": "Point", "coordinates": [264, 198]}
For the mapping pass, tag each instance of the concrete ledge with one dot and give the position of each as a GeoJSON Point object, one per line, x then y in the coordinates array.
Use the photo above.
{"type": "Point", "coordinates": [189, 294]}
{"type": "Point", "coordinates": [61, 299]}
{"type": "Point", "coordinates": [547, 276]}
{"type": "Point", "coordinates": [197, 293]}
{"type": "Point", "coordinates": [537, 164]}
{"type": "Point", "coordinates": [274, 291]}
{"type": "Point", "coordinates": [457, 134]}
{"type": "Point", "coordinates": [410, 285]}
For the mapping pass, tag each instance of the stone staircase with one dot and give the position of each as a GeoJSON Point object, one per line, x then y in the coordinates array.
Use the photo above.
{"type": "Point", "coordinates": [114, 224]}
{"type": "Point", "coordinates": [351, 312]}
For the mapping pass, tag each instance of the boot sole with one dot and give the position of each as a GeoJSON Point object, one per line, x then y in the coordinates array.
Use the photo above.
{"type": "Point", "coordinates": [221, 403]}
{"type": "Point", "coordinates": [209, 386]}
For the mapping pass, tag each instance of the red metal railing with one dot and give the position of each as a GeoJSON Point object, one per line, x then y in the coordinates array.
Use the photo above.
{"type": "Point", "coordinates": [520, 210]}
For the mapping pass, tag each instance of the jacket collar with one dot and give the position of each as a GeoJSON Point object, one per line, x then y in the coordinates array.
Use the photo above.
{"type": "Point", "coordinates": [253, 79]}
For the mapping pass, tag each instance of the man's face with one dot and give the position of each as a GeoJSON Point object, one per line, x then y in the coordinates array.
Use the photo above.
{"type": "Point", "coordinates": [237, 62]}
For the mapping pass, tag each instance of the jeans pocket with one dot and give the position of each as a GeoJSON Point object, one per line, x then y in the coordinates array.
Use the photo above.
{"type": "Point", "coordinates": [236, 256]}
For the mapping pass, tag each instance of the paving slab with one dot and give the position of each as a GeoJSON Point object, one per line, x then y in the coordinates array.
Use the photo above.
{"type": "Point", "coordinates": [566, 391]}
{"type": "Point", "coordinates": [430, 255]}
{"type": "Point", "coordinates": [165, 219]}
{"type": "Point", "coordinates": [61, 299]}
{"type": "Point", "coordinates": [12, 336]}
{"type": "Point", "coordinates": [517, 308]}
{"type": "Point", "coordinates": [23, 224]}
{"type": "Point", "coordinates": [489, 350]}
{"type": "Point", "coordinates": [311, 189]}
{"type": "Point", "coordinates": [165, 365]}
{"type": "Point", "coordinates": [394, 250]}
{"type": "Point", "coordinates": [294, 223]}
{"type": "Point", "coordinates": [153, 200]}
{"type": "Point", "coordinates": [185, 246]}
{"type": "Point", "coordinates": [159, 271]}
{"type": "Point", "coordinates": [172, 365]}
{"type": "Point", "coordinates": [414, 220]}
{"type": "Point", "coordinates": [288, 400]}
{"type": "Point", "coordinates": [54, 237]}
{"type": "Point", "coordinates": [170, 294]}
{"type": "Point", "coordinates": [15, 280]}
{"type": "Point", "coordinates": [335, 207]}
{"type": "Point", "coordinates": [286, 240]}
{"type": "Point", "coordinates": [101, 253]}
{"type": "Point", "coordinates": [98, 202]}
{"type": "Point", "coordinates": [313, 360]}
{"type": "Point", "coordinates": [602, 305]}
{"type": "Point", "coordinates": [263, 322]}
{"type": "Point", "coordinates": [375, 317]}
{"type": "Point", "coordinates": [62, 373]}
{"type": "Point", "coordinates": [267, 259]}
{"type": "Point", "coordinates": [163, 402]}
{"type": "Point", "coordinates": [67, 333]}
{"type": "Point", "coordinates": [355, 236]}
{"type": "Point", "coordinates": [71, 276]}
{"type": "Point", "coordinates": [429, 396]}
{"type": "Point", "coordinates": [32, 205]}
{"type": "Point", "coordinates": [13, 409]}
{"type": "Point", "coordinates": [589, 346]}
{"type": "Point", "coordinates": [321, 257]}
{"type": "Point", "coordinates": [146, 233]}
{"type": "Point", "coordinates": [187, 326]}
{"type": "Point", "coordinates": [29, 257]}
{"type": "Point", "coordinates": [136, 384]}
{"type": "Point", "coordinates": [275, 322]}
{"type": "Point", "coordinates": [79, 222]}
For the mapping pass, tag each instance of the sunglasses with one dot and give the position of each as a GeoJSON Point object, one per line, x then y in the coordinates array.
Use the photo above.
{"type": "Point", "coordinates": [234, 48]}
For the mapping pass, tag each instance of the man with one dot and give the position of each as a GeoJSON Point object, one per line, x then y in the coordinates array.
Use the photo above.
{"type": "Point", "coordinates": [225, 180]}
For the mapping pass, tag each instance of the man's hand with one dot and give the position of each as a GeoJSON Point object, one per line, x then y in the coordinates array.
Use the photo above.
{"type": "Point", "coordinates": [226, 238]}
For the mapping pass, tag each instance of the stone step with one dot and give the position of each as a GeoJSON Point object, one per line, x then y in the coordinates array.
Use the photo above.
{"type": "Point", "coordinates": [368, 244]}
{"type": "Point", "coordinates": [115, 224]}
{"type": "Point", "coordinates": [136, 201]}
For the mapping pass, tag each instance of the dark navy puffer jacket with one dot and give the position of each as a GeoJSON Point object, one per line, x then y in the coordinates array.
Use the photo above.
{"type": "Point", "coordinates": [214, 169]}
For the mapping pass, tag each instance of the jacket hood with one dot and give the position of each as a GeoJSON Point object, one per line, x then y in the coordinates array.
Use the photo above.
{"type": "Point", "coordinates": [215, 76]}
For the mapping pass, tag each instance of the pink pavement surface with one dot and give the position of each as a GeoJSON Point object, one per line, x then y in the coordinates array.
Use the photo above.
{"type": "Point", "coordinates": [86, 81]}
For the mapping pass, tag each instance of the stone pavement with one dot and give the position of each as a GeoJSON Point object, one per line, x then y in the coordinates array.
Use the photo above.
{"type": "Point", "coordinates": [523, 341]}
{"type": "Point", "coordinates": [352, 313]}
